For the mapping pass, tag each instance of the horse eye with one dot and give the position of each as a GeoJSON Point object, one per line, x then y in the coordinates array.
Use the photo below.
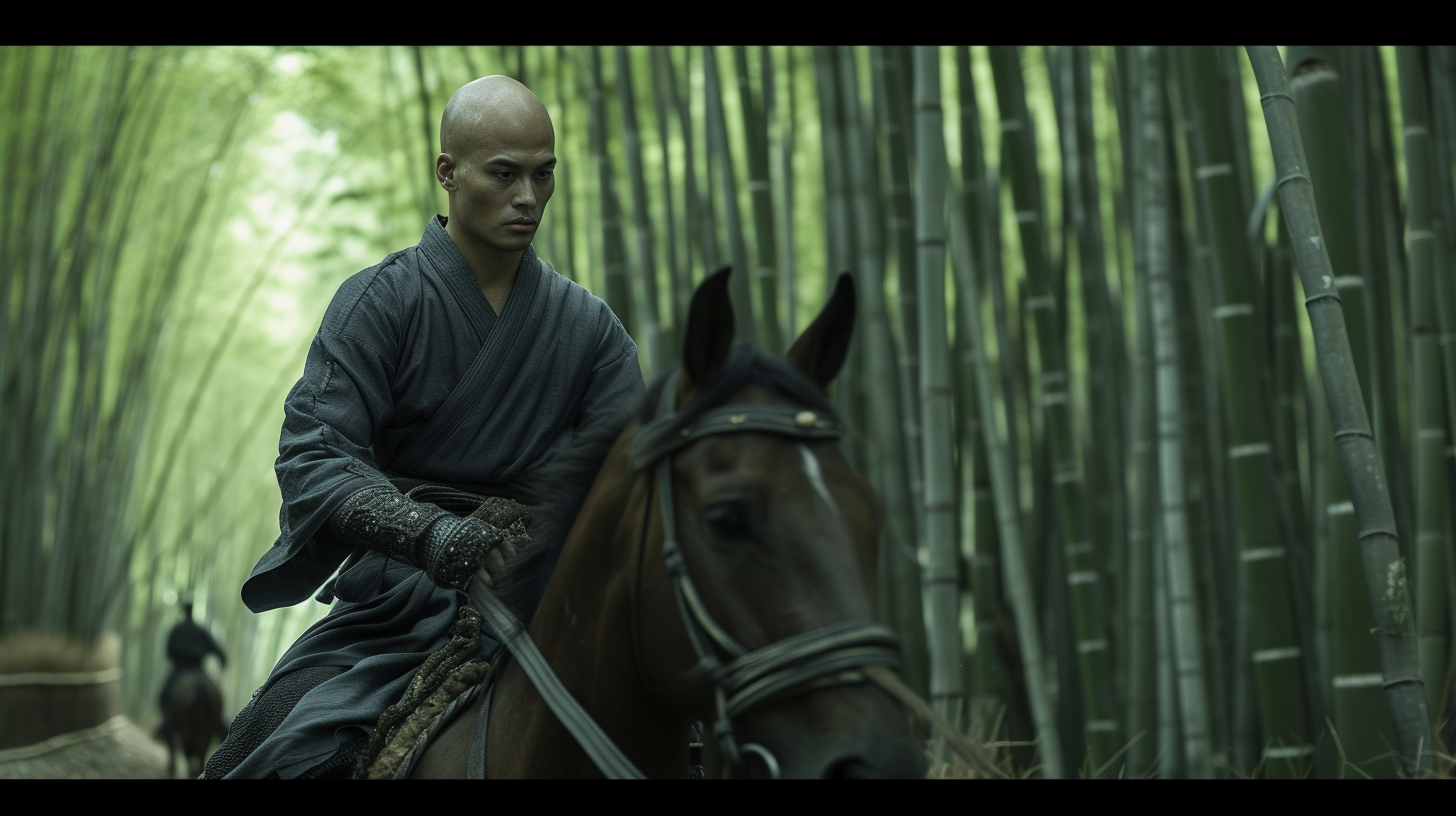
{"type": "Point", "coordinates": [728, 522]}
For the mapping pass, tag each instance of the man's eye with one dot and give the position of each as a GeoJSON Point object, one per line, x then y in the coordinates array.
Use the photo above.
{"type": "Point", "coordinates": [503, 175]}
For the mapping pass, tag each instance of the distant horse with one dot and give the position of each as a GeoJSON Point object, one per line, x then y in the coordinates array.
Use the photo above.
{"type": "Point", "coordinates": [755, 617]}
{"type": "Point", "coordinates": [194, 709]}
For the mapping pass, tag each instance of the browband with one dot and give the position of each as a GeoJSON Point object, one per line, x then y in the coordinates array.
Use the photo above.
{"type": "Point", "coordinates": [661, 436]}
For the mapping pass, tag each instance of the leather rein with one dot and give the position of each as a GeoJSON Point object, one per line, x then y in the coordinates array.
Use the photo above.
{"type": "Point", "coordinates": [833, 655]}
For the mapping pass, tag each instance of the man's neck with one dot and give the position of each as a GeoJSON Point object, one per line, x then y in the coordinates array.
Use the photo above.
{"type": "Point", "coordinates": [494, 271]}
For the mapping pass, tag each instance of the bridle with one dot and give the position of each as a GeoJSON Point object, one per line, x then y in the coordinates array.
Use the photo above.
{"type": "Point", "coordinates": [832, 655]}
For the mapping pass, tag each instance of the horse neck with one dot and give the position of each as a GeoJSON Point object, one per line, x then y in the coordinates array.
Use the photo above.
{"type": "Point", "coordinates": [584, 627]}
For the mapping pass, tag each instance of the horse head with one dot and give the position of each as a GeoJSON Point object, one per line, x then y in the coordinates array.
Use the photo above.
{"type": "Point", "coordinates": [777, 537]}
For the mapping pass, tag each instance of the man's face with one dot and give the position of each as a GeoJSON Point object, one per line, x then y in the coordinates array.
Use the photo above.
{"type": "Point", "coordinates": [503, 178]}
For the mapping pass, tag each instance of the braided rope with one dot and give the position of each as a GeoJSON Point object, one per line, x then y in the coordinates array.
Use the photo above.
{"type": "Point", "coordinates": [438, 668]}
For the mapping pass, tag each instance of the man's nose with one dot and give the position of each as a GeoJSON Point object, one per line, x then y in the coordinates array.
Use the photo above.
{"type": "Point", "coordinates": [525, 196]}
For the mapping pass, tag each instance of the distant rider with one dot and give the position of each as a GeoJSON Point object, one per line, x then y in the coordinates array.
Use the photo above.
{"type": "Point", "coordinates": [187, 646]}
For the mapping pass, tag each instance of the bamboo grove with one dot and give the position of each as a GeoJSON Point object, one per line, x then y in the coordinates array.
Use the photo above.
{"type": "Point", "coordinates": [1154, 368]}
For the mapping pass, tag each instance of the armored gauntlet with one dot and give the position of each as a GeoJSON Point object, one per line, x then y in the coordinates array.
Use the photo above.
{"type": "Point", "coordinates": [447, 548]}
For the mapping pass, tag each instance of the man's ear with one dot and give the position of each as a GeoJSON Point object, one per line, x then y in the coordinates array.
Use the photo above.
{"type": "Point", "coordinates": [445, 171]}
{"type": "Point", "coordinates": [709, 333]}
{"type": "Point", "coordinates": [820, 351]}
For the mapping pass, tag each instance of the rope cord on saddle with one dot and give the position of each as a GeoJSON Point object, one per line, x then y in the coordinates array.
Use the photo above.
{"type": "Point", "coordinates": [450, 661]}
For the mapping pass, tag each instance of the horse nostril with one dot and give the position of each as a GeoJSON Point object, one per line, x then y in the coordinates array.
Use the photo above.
{"type": "Point", "coordinates": [849, 768]}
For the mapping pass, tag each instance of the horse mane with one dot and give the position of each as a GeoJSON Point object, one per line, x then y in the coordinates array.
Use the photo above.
{"type": "Point", "coordinates": [530, 571]}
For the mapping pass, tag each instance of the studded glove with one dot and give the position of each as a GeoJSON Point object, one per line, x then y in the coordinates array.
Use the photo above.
{"type": "Point", "coordinates": [447, 548]}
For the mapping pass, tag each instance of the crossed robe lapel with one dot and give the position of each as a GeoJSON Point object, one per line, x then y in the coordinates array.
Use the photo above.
{"type": "Point", "coordinates": [508, 340]}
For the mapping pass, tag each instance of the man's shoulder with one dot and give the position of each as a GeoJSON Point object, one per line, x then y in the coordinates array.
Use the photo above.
{"type": "Point", "coordinates": [389, 287]}
{"type": "Point", "coordinates": [566, 293]}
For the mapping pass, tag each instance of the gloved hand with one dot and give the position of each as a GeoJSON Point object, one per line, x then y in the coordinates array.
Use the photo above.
{"type": "Point", "coordinates": [449, 549]}
{"type": "Point", "coordinates": [453, 549]}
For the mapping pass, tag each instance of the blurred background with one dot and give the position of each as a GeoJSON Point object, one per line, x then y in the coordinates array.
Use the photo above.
{"type": "Point", "coordinates": [174, 221]}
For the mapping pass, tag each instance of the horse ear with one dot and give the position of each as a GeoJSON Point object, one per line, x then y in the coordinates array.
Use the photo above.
{"type": "Point", "coordinates": [820, 351]}
{"type": "Point", "coordinates": [709, 333]}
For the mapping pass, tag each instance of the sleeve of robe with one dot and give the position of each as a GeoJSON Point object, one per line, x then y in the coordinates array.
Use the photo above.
{"type": "Point", "coordinates": [330, 418]}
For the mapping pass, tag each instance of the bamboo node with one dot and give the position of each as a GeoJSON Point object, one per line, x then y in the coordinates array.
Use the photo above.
{"type": "Point", "coordinates": [1355, 432]}
{"type": "Point", "coordinates": [1273, 96]}
{"type": "Point", "coordinates": [1261, 554]}
{"type": "Point", "coordinates": [1228, 310]}
{"type": "Point", "coordinates": [1329, 293]}
{"type": "Point", "coordinates": [1273, 655]}
{"type": "Point", "coordinates": [1209, 171]}
{"type": "Point", "coordinates": [1294, 176]}
{"type": "Point", "coordinates": [1251, 449]}
{"type": "Point", "coordinates": [1288, 751]}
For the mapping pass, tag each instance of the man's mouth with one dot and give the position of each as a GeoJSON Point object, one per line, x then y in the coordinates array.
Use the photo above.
{"type": "Point", "coordinates": [521, 224]}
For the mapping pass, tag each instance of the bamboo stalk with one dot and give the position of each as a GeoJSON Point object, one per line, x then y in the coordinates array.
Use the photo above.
{"type": "Point", "coordinates": [893, 120]}
{"type": "Point", "coordinates": [756, 138]}
{"type": "Point", "coordinates": [1004, 481]}
{"type": "Point", "coordinates": [980, 540]}
{"type": "Point", "coordinates": [784, 124]}
{"type": "Point", "coordinates": [883, 405]}
{"type": "Point", "coordinates": [1363, 726]}
{"type": "Point", "coordinates": [680, 273]}
{"type": "Point", "coordinates": [1386, 581]}
{"type": "Point", "coordinates": [941, 584]}
{"type": "Point", "coordinates": [1443, 98]}
{"type": "Point", "coordinates": [1185, 629]}
{"type": "Point", "coordinates": [1082, 574]}
{"type": "Point", "coordinates": [746, 326]}
{"type": "Point", "coordinates": [646, 303]}
{"type": "Point", "coordinates": [1270, 624]}
{"type": "Point", "coordinates": [1428, 414]}
{"type": "Point", "coordinates": [614, 250]}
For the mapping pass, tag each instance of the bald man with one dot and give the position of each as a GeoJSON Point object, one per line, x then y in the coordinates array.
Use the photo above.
{"type": "Point", "coordinates": [461, 364]}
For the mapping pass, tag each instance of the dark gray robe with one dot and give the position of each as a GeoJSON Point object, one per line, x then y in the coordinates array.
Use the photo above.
{"type": "Point", "coordinates": [413, 379]}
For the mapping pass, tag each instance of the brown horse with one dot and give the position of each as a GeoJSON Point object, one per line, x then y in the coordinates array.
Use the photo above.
{"type": "Point", "coordinates": [779, 537]}
{"type": "Point", "coordinates": [194, 707]}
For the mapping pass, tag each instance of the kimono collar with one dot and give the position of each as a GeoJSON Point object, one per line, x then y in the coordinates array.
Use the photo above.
{"type": "Point", "coordinates": [445, 257]}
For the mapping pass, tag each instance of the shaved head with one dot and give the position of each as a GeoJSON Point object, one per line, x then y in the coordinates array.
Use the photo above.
{"type": "Point", "coordinates": [498, 163]}
{"type": "Point", "coordinates": [488, 108]}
